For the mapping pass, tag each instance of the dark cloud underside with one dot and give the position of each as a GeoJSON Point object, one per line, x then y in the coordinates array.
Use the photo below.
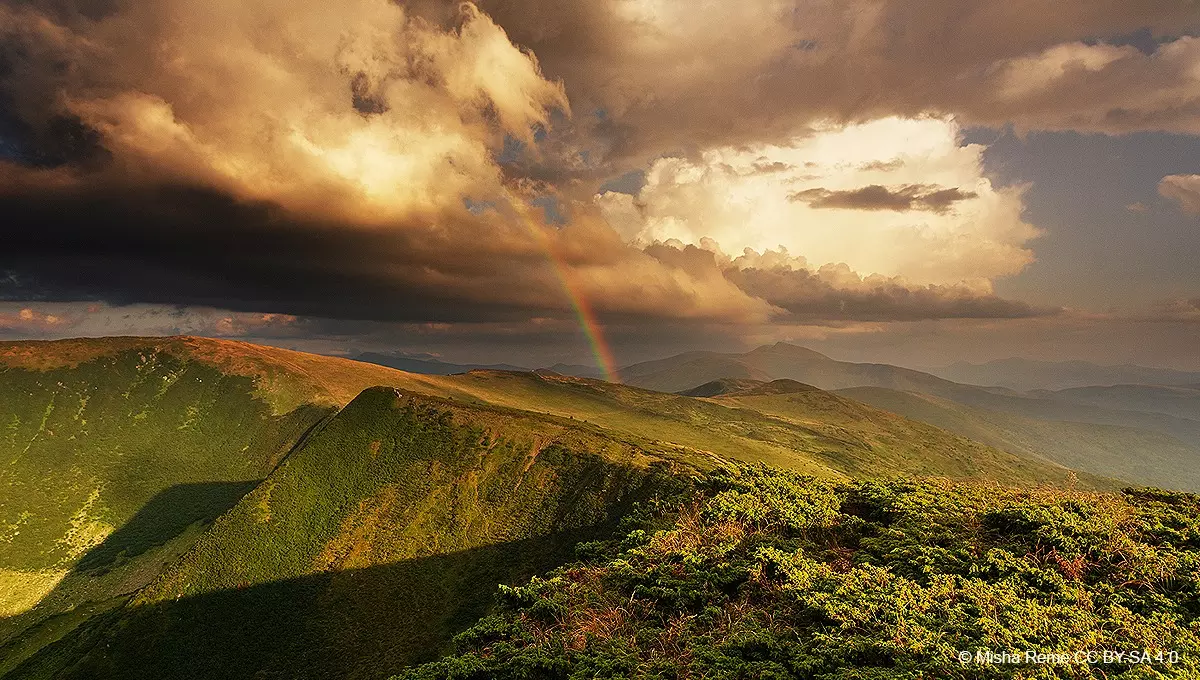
{"type": "Point", "coordinates": [932, 198]}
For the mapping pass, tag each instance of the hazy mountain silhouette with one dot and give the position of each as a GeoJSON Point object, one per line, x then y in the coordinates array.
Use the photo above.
{"type": "Point", "coordinates": [1026, 374]}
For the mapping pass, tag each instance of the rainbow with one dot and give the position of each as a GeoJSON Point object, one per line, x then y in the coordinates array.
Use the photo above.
{"type": "Point", "coordinates": [588, 320]}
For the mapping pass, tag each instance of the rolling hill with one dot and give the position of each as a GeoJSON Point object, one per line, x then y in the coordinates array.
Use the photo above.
{"type": "Point", "coordinates": [92, 441]}
{"type": "Point", "coordinates": [368, 547]}
{"type": "Point", "coordinates": [781, 360]}
{"type": "Point", "coordinates": [1133, 454]}
{"type": "Point", "coordinates": [181, 507]}
{"type": "Point", "coordinates": [427, 366]}
{"type": "Point", "coordinates": [715, 388]}
{"type": "Point", "coordinates": [1138, 443]}
{"type": "Point", "coordinates": [771, 362]}
{"type": "Point", "coordinates": [826, 435]}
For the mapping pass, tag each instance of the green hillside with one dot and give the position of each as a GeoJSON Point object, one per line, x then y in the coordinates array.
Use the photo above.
{"type": "Point", "coordinates": [116, 452]}
{"type": "Point", "coordinates": [895, 442]}
{"type": "Point", "coordinates": [90, 452]}
{"type": "Point", "coordinates": [715, 388]}
{"type": "Point", "coordinates": [283, 378]}
{"type": "Point", "coordinates": [767, 574]}
{"type": "Point", "coordinates": [1122, 452]}
{"type": "Point", "coordinates": [368, 547]}
{"type": "Point", "coordinates": [823, 434]}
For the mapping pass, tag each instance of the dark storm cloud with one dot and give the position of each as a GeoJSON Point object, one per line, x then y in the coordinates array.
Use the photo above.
{"type": "Point", "coordinates": [928, 197]}
{"type": "Point", "coordinates": [184, 245]}
{"type": "Point", "coordinates": [814, 296]}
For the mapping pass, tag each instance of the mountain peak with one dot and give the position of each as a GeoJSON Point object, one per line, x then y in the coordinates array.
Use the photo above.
{"type": "Point", "coordinates": [721, 386]}
{"type": "Point", "coordinates": [780, 386]}
{"type": "Point", "coordinates": [788, 349]}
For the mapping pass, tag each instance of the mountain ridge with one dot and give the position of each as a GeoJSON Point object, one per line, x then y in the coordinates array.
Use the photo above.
{"type": "Point", "coordinates": [1027, 374]}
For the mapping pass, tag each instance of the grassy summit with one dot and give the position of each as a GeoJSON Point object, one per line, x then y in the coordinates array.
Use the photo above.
{"type": "Point", "coordinates": [115, 453]}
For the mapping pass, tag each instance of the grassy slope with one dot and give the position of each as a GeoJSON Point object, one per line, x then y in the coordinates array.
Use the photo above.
{"type": "Point", "coordinates": [283, 378]}
{"type": "Point", "coordinates": [788, 361]}
{"type": "Point", "coordinates": [84, 449]}
{"type": "Point", "coordinates": [819, 433]}
{"type": "Point", "coordinates": [715, 388]}
{"type": "Point", "coordinates": [1183, 401]}
{"type": "Point", "coordinates": [114, 451]}
{"type": "Point", "coordinates": [1126, 453]}
{"type": "Point", "coordinates": [896, 442]}
{"type": "Point", "coordinates": [769, 575]}
{"type": "Point", "coordinates": [369, 546]}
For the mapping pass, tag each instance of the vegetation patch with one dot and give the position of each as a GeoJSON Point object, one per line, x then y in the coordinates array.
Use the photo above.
{"type": "Point", "coordinates": [767, 574]}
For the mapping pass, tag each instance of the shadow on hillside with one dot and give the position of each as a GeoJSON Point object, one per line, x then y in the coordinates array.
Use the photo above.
{"type": "Point", "coordinates": [358, 623]}
{"type": "Point", "coordinates": [164, 518]}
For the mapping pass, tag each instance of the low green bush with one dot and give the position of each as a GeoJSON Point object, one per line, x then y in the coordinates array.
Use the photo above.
{"type": "Point", "coordinates": [763, 573]}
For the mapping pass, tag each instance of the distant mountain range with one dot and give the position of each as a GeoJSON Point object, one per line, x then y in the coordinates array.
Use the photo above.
{"type": "Point", "coordinates": [1171, 410]}
{"type": "Point", "coordinates": [1146, 433]}
{"type": "Point", "coordinates": [438, 367]}
{"type": "Point", "coordinates": [427, 366]}
{"type": "Point", "coordinates": [1182, 401]}
{"type": "Point", "coordinates": [1025, 374]}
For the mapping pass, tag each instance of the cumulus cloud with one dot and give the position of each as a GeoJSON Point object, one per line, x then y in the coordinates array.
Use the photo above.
{"type": "Point", "coordinates": [358, 107]}
{"type": "Point", "coordinates": [1177, 309]}
{"type": "Point", "coordinates": [835, 292]}
{"type": "Point", "coordinates": [1184, 190]}
{"type": "Point", "coordinates": [25, 321]}
{"type": "Point", "coordinates": [827, 198]}
{"type": "Point", "coordinates": [675, 76]}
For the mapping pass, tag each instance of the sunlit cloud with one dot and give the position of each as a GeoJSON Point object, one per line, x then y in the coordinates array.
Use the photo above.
{"type": "Point", "coordinates": [267, 100]}
{"type": "Point", "coordinates": [825, 197]}
{"type": "Point", "coordinates": [1183, 190]}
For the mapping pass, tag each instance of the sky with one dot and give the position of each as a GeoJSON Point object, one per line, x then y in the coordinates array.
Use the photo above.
{"type": "Point", "coordinates": [539, 181]}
